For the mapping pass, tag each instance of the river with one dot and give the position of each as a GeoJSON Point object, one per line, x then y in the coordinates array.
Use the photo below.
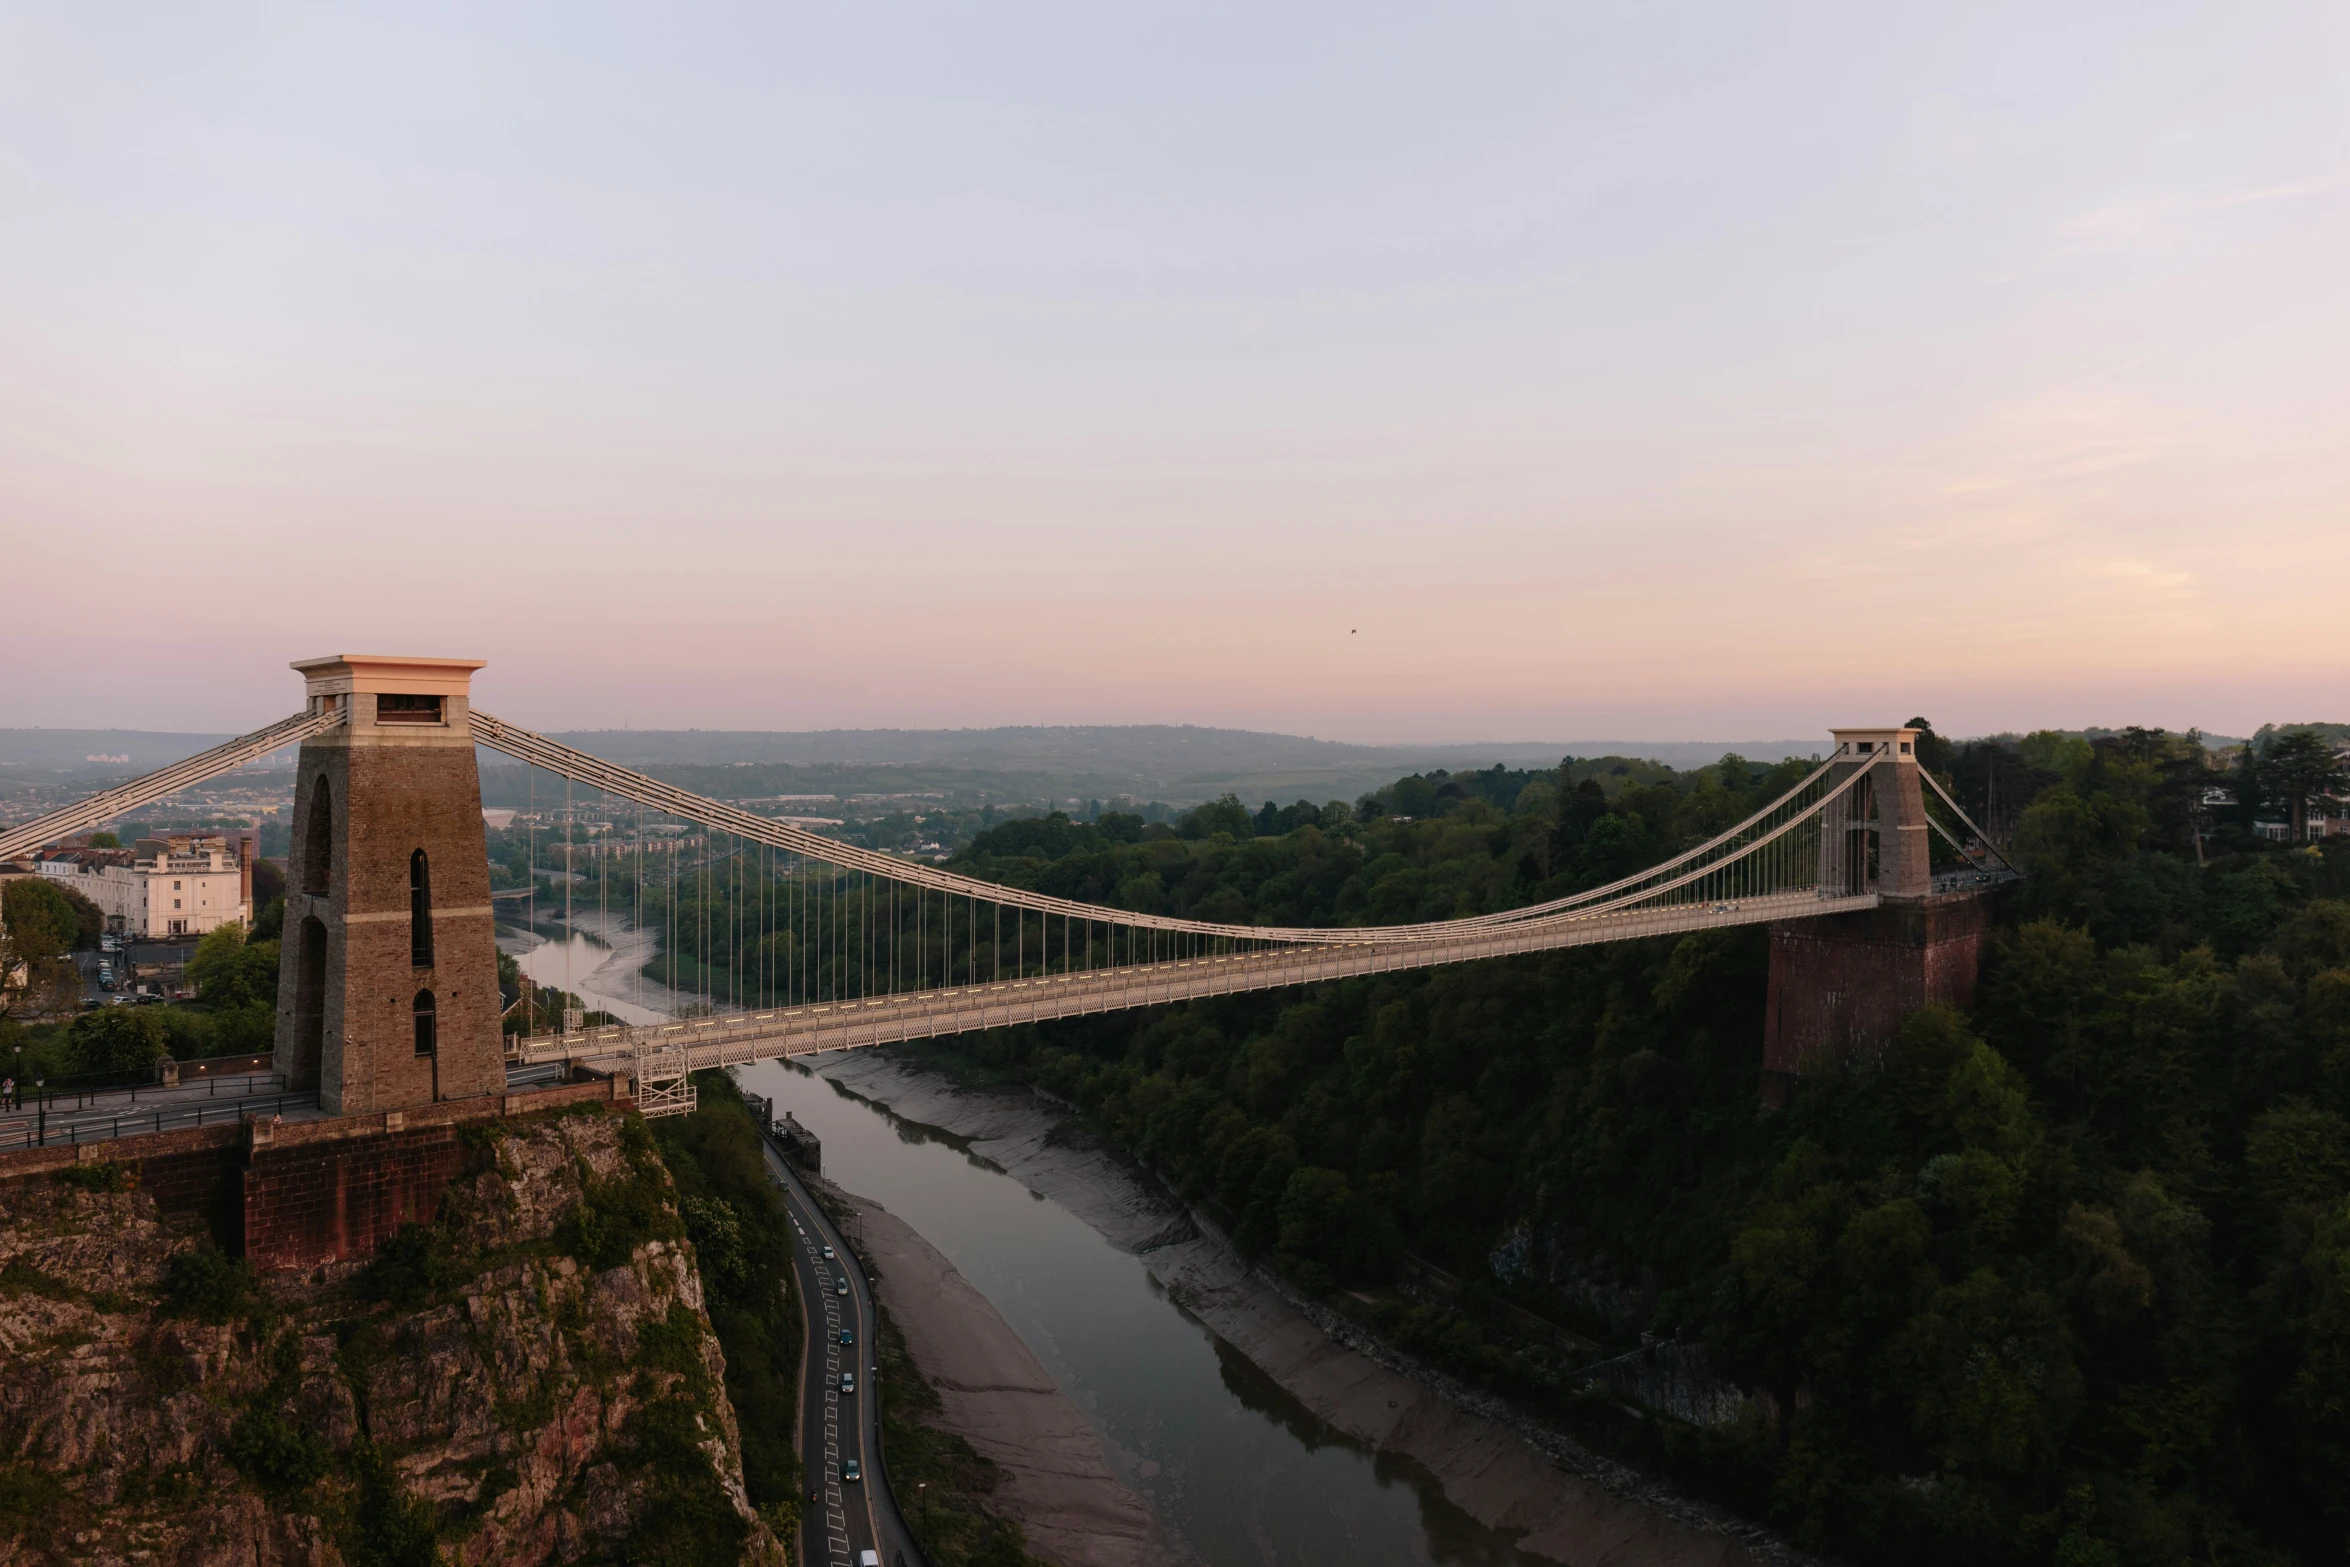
{"type": "Point", "coordinates": [1232, 1468]}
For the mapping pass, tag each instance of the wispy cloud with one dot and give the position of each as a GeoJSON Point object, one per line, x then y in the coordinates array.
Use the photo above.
{"type": "Point", "coordinates": [2273, 193]}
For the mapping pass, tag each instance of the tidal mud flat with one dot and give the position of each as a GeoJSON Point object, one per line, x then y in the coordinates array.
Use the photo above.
{"type": "Point", "coordinates": [1561, 1503]}
{"type": "Point", "coordinates": [993, 1392]}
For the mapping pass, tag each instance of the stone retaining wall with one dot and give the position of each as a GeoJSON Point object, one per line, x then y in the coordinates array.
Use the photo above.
{"type": "Point", "coordinates": [300, 1193]}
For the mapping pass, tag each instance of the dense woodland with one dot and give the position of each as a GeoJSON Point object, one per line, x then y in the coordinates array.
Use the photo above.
{"type": "Point", "coordinates": [2066, 1279]}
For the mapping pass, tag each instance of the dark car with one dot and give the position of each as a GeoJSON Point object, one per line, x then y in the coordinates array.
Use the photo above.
{"type": "Point", "coordinates": [850, 1471]}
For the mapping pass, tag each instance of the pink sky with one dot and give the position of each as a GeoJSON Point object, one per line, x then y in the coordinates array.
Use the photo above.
{"type": "Point", "coordinates": [1380, 375]}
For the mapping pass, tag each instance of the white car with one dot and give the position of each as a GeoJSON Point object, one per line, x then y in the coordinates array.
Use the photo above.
{"type": "Point", "coordinates": [841, 1285]}
{"type": "Point", "coordinates": [827, 1253]}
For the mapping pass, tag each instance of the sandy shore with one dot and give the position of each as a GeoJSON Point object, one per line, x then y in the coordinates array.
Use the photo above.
{"type": "Point", "coordinates": [993, 1393]}
{"type": "Point", "coordinates": [1572, 1507]}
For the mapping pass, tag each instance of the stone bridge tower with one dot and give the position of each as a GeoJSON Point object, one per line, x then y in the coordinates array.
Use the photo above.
{"type": "Point", "coordinates": [1842, 985]}
{"type": "Point", "coordinates": [388, 982]}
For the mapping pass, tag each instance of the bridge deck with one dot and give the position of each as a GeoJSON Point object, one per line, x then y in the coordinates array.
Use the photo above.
{"type": "Point", "coordinates": [735, 1039]}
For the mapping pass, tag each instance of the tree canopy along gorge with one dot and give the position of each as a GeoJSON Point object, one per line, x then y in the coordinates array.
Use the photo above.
{"type": "Point", "coordinates": [2064, 1279]}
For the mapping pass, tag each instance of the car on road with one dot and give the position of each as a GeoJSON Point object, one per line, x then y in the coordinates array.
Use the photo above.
{"type": "Point", "coordinates": [828, 1254]}
{"type": "Point", "coordinates": [848, 1335]}
{"type": "Point", "coordinates": [849, 1470]}
{"type": "Point", "coordinates": [868, 1559]}
{"type": "Point", "coordinates": [840, 1286]}
{"type": "Point", "coordinates": [848, 1382]}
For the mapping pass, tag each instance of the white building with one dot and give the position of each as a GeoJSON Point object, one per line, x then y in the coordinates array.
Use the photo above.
{"type": "Point", "coordinates": [179, 885]}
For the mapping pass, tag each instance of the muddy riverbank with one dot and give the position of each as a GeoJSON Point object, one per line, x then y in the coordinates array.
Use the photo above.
{"type": "Point", "coordinates": [1054, 1480]}
{"type": "Point", "coordinates": [1559, 1504]}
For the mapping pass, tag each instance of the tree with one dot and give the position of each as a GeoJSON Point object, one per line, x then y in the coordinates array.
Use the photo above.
{"type": "Point", "coordinates": [231, 971]}
{"type": "Point", "coordinates": [117, 1040]}
{"type": "Point", "coordinates": [37, 929]}
{"type": "Point", "coordinates": [2297, 768]}
{"type": "Point", "coordinates": [1934, 753]}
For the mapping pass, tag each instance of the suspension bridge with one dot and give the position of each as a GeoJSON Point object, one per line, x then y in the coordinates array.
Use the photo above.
{"type": "Point", "coordinates": [387, 815]}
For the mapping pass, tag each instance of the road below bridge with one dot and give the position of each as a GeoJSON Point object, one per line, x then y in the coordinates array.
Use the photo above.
{"type": "Point", "coordinates": [840, 1433]}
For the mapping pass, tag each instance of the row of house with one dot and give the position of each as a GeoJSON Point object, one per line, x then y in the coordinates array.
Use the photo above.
{"type": "Point", "coordinates": [176, 884]}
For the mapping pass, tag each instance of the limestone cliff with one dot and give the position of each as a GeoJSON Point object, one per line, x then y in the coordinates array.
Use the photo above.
{"type": "Point", "coordinates": [532, 1379]}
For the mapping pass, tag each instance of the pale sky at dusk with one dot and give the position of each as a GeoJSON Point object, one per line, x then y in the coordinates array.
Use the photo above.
{"type": "Point", "coordinates": [1380, 373]}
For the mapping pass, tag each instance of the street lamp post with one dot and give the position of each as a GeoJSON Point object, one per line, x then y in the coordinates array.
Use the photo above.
{"type": "Point", "coordinates": [922, 1487]}
{"type": "Point", "coordinates": [42, 1099]}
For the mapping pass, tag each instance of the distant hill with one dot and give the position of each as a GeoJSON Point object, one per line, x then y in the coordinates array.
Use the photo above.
{"type": "Point", "coordinates": [1180, 764]}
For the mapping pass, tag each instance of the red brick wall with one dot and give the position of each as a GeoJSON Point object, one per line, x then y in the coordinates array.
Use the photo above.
{"type": "Point", "coordinates": [326, 1202]}
{"type": "Point", "coordinates": [299, 1193]}
{"type": "Point", "coordinates": [1842, 986]}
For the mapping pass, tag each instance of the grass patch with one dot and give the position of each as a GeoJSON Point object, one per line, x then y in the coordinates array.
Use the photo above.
{"type": "Point", "coordinates": [99, 1177]}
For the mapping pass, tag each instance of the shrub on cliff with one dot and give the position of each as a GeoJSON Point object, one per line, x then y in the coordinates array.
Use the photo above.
{"type": "Point", "coordinates": [271, 1453]}
{"type": "Point", "coordinates": [208, 1285]}
{"type": "Point", "coordinates": [743, 1242]}
{"type": "Point", "coordinates": [390, 1528]}
{"type": "Point", "coordinates": [417, 1263]}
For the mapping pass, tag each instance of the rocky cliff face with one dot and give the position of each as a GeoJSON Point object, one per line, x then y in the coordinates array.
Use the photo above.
{"type": "Point", "coordinates": [531, 1380]}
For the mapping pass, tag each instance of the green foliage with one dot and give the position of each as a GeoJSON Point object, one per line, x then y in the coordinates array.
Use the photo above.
{"type": "Point", "coordinates": [268, 1450]}
{"type": "Point", "coordinates": [742, 1240]}
{"type": "Point", "coordinates": [419, 1263]}
{"type": "Point", "coordinates": [619, 1213]}
{"type": "Point", "coordinates": [33, 1502]}
{"type": "Point", "coordinates": [229, 970]}
{"type": "Point", "coordinates": [688, 1518]}
{"type": "Point", "coordinates": [47, 920]}
{"type": "Point", "coordinates": [98, 1177]}
{"type": "Point", "coordinates": [208, 1285]}
{"type": "Point", "coordinates": [940, 1481]}
{"type": "Point", "coordinates": [389, 1528]}
{"type": "Point", "coordinates": [118, 1041]}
